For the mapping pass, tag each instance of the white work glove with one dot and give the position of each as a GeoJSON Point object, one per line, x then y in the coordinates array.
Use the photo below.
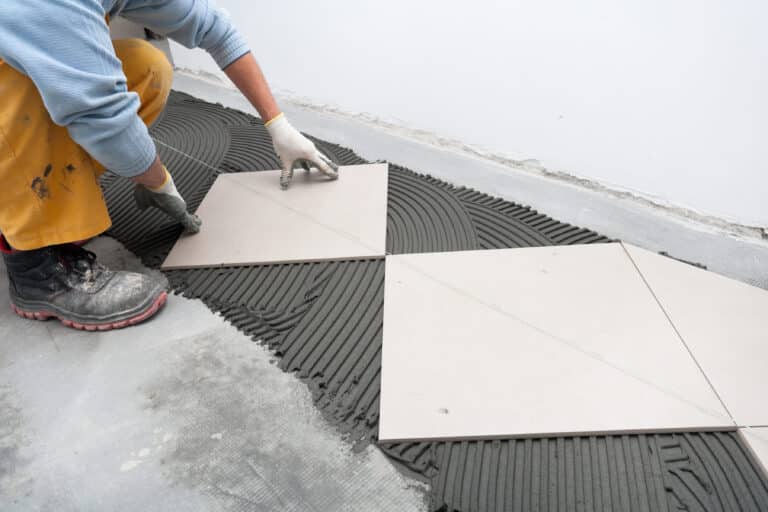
{"type": "Point", "coordinates": [293, 148]}
{"type": "Point", "coordinates": [167, 198]}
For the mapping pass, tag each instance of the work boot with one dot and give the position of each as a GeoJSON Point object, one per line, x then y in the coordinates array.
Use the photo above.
{"type": "Point", "coordinates": [66, 282]}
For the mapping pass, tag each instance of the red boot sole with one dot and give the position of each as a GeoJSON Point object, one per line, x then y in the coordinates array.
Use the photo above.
{"type": "Point", "coordinates": [108, 326]}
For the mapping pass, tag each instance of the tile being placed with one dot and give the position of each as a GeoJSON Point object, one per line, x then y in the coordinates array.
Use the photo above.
{"type": "Point", "coordinates": [248, 219]}
{"type": "Point", "coordinates": [534, 341]}
{"type": "Point", "coordinates": [725, 325]}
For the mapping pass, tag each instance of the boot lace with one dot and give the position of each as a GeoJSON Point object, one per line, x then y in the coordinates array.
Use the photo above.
{"type": "Point", "coordinates": [80, 264]}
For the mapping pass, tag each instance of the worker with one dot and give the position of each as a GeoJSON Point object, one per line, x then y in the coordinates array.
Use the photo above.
{"type": "Point", "coordinates": [74, 103]}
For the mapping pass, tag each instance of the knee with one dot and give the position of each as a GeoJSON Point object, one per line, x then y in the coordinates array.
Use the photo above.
{"type": "Point", "coordinates": [145, 64]}
{"type": "Point", "coordinates": [159, 66]}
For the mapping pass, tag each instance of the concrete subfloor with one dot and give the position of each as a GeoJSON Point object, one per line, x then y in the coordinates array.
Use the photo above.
{"type": "Point", "coordinates": [180, 413]}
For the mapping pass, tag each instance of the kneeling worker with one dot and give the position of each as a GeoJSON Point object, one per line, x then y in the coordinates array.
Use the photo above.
{"type": "Point", "coordinates": [74, 103]}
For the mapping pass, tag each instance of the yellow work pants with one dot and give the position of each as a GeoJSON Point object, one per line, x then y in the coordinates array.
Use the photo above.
{"type": "Point", "coordinates": [49, 186]}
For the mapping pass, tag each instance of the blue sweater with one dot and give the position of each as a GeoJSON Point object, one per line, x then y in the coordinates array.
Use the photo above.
{"type": "Point", "coordinates": [65, 48]}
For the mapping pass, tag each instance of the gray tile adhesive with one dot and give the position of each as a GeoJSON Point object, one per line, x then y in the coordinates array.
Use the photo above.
{"type": "Point", "coordinates": [324, 321]}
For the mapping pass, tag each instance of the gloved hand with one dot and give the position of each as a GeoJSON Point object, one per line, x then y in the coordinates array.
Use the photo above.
{"type": "Point", "coordinates": [293, 148]}
{"type": "Point", "coordinates": [167, 198]}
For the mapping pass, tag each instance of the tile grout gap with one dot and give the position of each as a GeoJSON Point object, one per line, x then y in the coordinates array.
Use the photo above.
{"type": "Point", "coordinates": [677, 332]}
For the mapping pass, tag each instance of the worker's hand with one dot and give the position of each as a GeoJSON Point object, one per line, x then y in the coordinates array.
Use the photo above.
{"type": "Point", "coordinates": [167, 198]}
{"type": "Point", "coordinates": [293, 148]}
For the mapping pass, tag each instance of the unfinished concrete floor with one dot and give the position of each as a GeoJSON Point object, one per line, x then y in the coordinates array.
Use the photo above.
{"type": "Point", "coordinates": [324, 321]}
{"type": "Point", "coordinates": [183, 412]}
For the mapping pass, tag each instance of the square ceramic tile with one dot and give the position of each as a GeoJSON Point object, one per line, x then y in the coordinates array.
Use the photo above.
{"type": "Point", "coordinates": [757, 440]}
{"type": "Point", "coordinates": [725, 325]}
{"type": "Point", "coordinates": [248, 219]}
{"type": "Point", "coordinates": [533, 341]}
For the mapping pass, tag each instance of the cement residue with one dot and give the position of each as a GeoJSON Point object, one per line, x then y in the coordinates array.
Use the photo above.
{"type": "Point", "coordinates": [182, 412]}
{"type": "Point", "coordinates": [251, 438]}
{"type": "Point", "coordinates": [13, 439]}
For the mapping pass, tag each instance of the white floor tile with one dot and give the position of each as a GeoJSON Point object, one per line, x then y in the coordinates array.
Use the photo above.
{"type": "Point", "coordinates": [532, 341]}
{"type": "Point", "coordinates": [248, 219]}
{"type": "Point", "coordinates": [725, 325]}
{"type": "Point", "coordinates": [757, 439]}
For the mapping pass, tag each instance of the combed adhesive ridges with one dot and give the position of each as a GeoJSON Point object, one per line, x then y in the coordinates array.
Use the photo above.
{"type": "Point", "coordinates": [324, 322]}
{"type": "Point", "coordinates": [695, 472]}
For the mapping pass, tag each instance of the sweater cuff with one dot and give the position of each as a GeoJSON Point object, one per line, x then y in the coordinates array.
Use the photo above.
{"type": "Point", "coordinates": [229, 50]}
{"type": "Point", "coordinates": [140, 151]}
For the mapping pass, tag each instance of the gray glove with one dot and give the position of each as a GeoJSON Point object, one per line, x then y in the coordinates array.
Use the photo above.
{"type": "Point", "coordinates": [167, 198]}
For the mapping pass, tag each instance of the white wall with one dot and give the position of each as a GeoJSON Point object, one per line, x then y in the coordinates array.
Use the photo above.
{"type": "Point", "coordinates": [665, 98]}
{"type": "Point", "coordinates": [120, 28]}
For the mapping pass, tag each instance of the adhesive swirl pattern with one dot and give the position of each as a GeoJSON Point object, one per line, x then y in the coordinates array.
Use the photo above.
{"type": "Point", "coordinates": [324, 321]}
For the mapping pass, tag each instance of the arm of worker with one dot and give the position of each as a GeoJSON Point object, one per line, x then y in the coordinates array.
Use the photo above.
{"type": "Point", "coordinates": [64, 47]}
{"type": "Point", "coordinates": [200, 24]}
{"type": "Point", "coordinates": [290, 145]}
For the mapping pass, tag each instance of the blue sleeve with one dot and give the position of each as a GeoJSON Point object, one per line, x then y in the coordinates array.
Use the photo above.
{"type": "Point", "coordinates": [64, 47]}
{"type": "Point", "coordinates": [193, 23]}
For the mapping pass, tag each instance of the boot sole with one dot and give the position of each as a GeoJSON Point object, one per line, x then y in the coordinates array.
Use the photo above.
{"type": "Point", "coordinates": [107, 326]}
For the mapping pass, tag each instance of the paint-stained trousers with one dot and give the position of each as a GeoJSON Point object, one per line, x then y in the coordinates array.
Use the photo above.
{"type": "Point", "coordinates": [49, 186]}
